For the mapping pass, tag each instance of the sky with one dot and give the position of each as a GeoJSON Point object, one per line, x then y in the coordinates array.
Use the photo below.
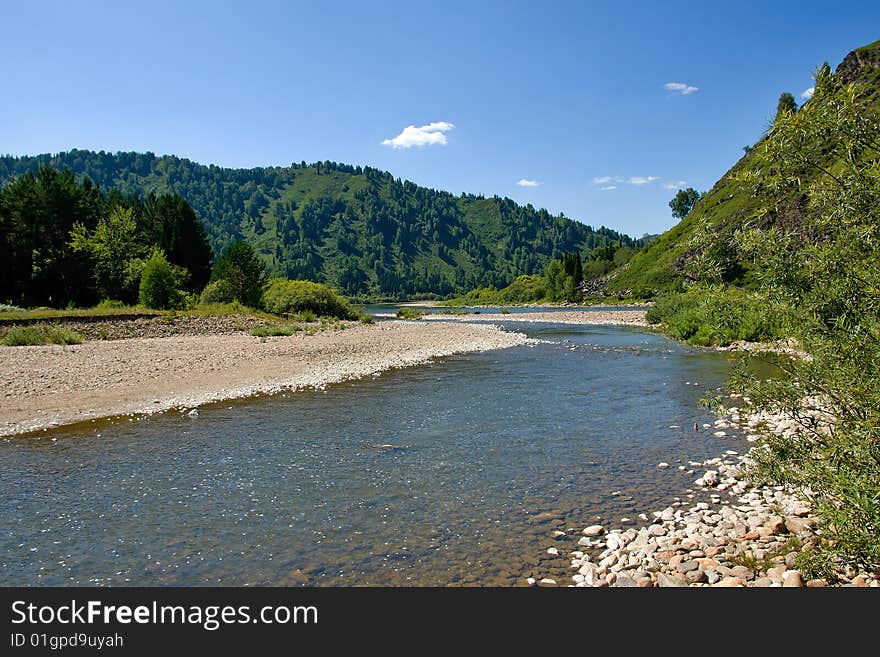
{"type": "Point", "coordinates": [598, 110]}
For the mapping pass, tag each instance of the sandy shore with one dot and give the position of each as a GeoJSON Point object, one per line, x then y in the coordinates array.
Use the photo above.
{"type": "Point", "coordinates": [52, 385]}
{"type": "Point", "coordinates": [617, 317]}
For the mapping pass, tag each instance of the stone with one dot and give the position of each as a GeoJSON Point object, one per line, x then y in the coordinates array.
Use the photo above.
{"type": "Point", "coordinates": [817, 583]}
{"type": "Point", "coordinates": [776, 525]}
{"type": "Point", "coordinates": [712, 576]}
{"type": "Point", "coordinates": [553, 552]}
{"type": "Point", "coordinates": [792, 578]}
{"type": "Point", "coordinates": [531, 581]}
{"type": "Point", "coordinates": [763, 582]}
{"type": "Point", "coordinates": [777, 573]}
{"type": "Point", "coordinates": [594, 530]}
{"type": "Point", "coordinates": [663, 465]}
{"type": "Point", "coordinates": [547, 581]}
{"type": "Point", "coordinates": [742, 572]}
{"type": "Point", "coordinates": [695, 576]}
{"type": "Point", "coordinates": [730, 582]}
{"type": "Point", "coordinates": [667, 581]}
{"type": "Point", "coordinates": [625, 581]}
{"type": "Point", "coordinates": [712, 551]}
{"type": "Point", "coordinates": [687, 566]}
{"type": "Point", "coordinates": [557, 534]}
{"type": "Point", "coordinates": [799, 525]}
{"type": "Point", "coordinates": [644, 582]}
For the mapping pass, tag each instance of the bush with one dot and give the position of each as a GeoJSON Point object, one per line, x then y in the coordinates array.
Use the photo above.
{"type": "Point", "coordinates": [108, 304]}
{"type": "Point", "coordinates": [411, 313]}
{"type": "Point", "coordinates": [6, 308]}
{"type": "Point", "coordinates": [220, 291]}
{"type": "Point", "coordinates": [717, 316]}
{"type": "Point", "coordinates": [158, 288]}
{"type": "Point", "coordinates": [242, 268]}
{"type": "Point", "coordinates": [40, 334]}
{"type": "Point", "coordinates": [285, 297]}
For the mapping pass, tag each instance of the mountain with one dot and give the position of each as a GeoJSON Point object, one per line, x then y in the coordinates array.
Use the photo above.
{"type": "Point", "coordinates": [357, 228]}
{"type": "Point", "coordinates": [666, 263]}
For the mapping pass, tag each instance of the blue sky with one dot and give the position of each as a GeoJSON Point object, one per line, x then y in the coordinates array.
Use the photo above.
{"type": "Point", "coordinates": [570, 95]}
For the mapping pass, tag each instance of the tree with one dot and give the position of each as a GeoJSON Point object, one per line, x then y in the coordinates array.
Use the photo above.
{"type": "Point", "coordinates": [158, 288]}
{"type": "Point", "coordinates": [683, 202]}
{"type": "Point", "coordinates": [111, 246]}
{"type": "Point", "coordinates": [785, 105]}
{"type": "Point", "coordinates": [242, 268]}
{"type": "Point", "coordinates": [823, 274]}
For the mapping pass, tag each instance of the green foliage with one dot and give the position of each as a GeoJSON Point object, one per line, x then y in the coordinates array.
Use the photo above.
{"type": "Point", "coordinates": [219, 291]}
{"type": "Point", "coordinates": [285, 297]}
{"type": "Point", "coordinates": [563, 276]}
{"type": "Point", "coordinates": [683, 202]}
{"type": "Point", "coordinates": [110, 304]}
{"type": "Point", "coordinates": [411, 313]}
{"type": "Point", "coordinates": [6, 308]}
{"type": "Point", "coordinates": [243, 270]}
{"type": "Point", "coordinates": [359, 229]}
{"type": "Point", "coordinates": [111, 246]}
{"type": "Point", "coordinates": [158, 287]}
{"type": "Point", "coordinates": [824, 271]}
{"type": "Point", "coordinates": [37, 334]}
{"type": "Point", "coordinates": [707, 316]}
{"type": "Point", "coordinates": [786, 105]}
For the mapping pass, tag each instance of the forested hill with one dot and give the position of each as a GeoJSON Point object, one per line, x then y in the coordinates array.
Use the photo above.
{"type": "Point", "coordinates": [357, 228]}
{"type": "Point", "coordinates": [707, 235]}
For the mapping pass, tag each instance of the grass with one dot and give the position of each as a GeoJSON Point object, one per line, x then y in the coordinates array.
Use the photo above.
{"type": "Point", "coordinates": [411, 313]}
{"type": "Point", "coordinates": [38, 334]}
{"type": "Point", "coordinates": [453, 311]}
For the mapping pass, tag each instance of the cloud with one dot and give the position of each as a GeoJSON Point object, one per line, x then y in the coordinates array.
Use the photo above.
{"type": "Point", "coordinates": [524, 182]}
{"type": "Point", "coordinates": [608, 188]}
{"type": "Point", "coordinates": [604, 180]}
{"type": "Point", "coordinates": [684, 89]}
{"type": "Point", "coordinates": [425, 135]}
{"type": "Point", "coordinates": [642, 180]}
{"type": "Point", "coordinates": [808, 93]}
{"type": "Point", "coordinates": [675, 185]}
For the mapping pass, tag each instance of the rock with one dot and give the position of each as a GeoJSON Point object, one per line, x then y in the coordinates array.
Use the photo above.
{"type": "Point", "coordinates": [547, 516]}
{"type": "Point", "coordinates": [667, 581]}
{"type": "Point", "coordinates": [712, 576]}
{"type": "Point", "coordinates": [777, 573]}
{"type": "Point", "coordinates": [193, 413]}
{"type": "Point", "coordinates": [742, 572]}
{"type": "Point", "coordinates": [817, 583]}
{"type": "Point", "coordinates": [547, 582]}
{"type": "Point", "coordinates": [644, 582]}
{"type": "Point", "coordinates": [584, 541]}
{"type": "Point", "coordinates": [625, 581]}
{"type": "Point", "coordinates": [792, 578]}
{"type": "Point", "coordinates": [557, 534]}
{"type": "Point", "coordinates": [594, 530]}
{"type": "Point", "coordinates": [553, 552]}
{"type": "Point", "coordinates": [776, 525]}
{"type": "Point", "coordinates": [763, 582]}
{"type": "Point", "coordinates": [662, 465]}
{"type": "Point", "coordinates": [695, 576]}
{"type": "Point", "coordinates": [860, 581]}
{"type": "Point", "coordinates": [799, 525]}
{"type": "Point", "coordinates": [730, 582]}
{"type": "Point", "coordinates": [687, 566]}
{"type": "Point", "coordinates": [531, 581]}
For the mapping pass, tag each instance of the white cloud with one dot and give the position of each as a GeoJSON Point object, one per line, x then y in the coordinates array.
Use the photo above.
{"type": "Point", "coordinates": [684, 89]}
{"type": "Point", "coordinates": [608, 188]}
{"type": "Point", "coordinates": [602, 180]}
{"type": "Point", "coordinates": [424, 135]}
{"type": "Point", "coordinates": [523, 182]}
{"type": "Point", "coordinates": [642, 180]}
{"type": "Point", "coordinates": [808, 93]}
{"type": "Point", "coordinates": [675, 185]}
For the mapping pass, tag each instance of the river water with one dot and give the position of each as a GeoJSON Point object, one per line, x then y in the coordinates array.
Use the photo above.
{"type": "Point", "coordinates": [452, 473]}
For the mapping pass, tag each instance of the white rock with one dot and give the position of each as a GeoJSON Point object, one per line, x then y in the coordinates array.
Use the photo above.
{"type": "Point", "coordinates": [594, 530]}
{"type": "Point", "coordinates": [663, 465]}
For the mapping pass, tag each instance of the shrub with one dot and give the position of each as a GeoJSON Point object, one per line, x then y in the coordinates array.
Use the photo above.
{"type": "Point", "coordinates": [6, 308]}
{"type": "Point", "coordinates": [411, 313]}
{"type": "Point", "coordinates": [158, 288]}
{"type": "Point", "coordinates": [37, 334]}
{"type": "Point", "coordinates": [108, 304]}
{"type": "Point", "coordinates": [285, 297]}
{"type": "Point", "coordinates": [242, 268]}
{"type": "Point", "coordinates": [220, 291]}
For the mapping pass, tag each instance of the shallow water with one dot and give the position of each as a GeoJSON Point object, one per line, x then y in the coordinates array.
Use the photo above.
{"type": "Point", "coordinates": [434, 475]}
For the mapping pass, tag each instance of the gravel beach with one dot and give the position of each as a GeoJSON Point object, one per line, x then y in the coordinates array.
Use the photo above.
{"type": "Point", "coordinates": [48, 386]}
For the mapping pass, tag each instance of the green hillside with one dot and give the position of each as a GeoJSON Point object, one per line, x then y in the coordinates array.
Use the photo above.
{"type": "Point", "coordinates": [357, 228]}
{"type": "Point", "coordinates": [673, 259]}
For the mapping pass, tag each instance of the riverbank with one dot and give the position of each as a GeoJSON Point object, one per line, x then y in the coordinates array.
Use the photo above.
{"type": "Point", "coordinates": [599, 317]}
{"type": "Point", "coordinates": [49, 386]}
{"type": "Point", "coordinates": [727, 532]}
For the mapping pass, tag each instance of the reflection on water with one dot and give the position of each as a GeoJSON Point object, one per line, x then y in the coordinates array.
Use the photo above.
{"type": "Point", "coordinates": [454, 473]}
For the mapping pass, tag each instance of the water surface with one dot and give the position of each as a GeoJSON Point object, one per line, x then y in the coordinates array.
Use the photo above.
{"type": "Point", "coordinates": [453, 473]}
